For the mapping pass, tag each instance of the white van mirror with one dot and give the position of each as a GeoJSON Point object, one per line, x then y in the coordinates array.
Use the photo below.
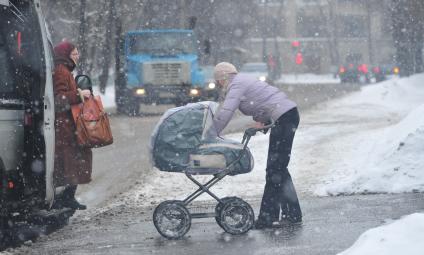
{"type": "Point", "coordinates": [4, 2]}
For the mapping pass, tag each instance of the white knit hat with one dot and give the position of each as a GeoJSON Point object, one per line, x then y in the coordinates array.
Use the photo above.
{"type": "Point", "coordinates": [222, 70]}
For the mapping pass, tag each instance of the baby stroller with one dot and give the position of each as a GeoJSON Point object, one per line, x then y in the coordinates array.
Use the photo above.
{"type": "Point", "coordinates": [181, 143]}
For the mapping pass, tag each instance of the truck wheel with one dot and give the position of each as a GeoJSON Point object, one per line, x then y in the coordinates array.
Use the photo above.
{"type": "Point", "coordinates": [130, 109]}
{"type": "Point", "coordinates": [133, 109]}
{"type": "Point", "coordinates": [120, 109]}
{"type": "Point", "coordinates": [180, 103]}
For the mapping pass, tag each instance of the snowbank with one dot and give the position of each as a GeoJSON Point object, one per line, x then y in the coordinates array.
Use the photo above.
{"type": "Point", "coordinates": [404, 236]}
{"type": "Point", "coordinates": [388, 158]}
{"type": "Point", "coordinates": [395, 164]}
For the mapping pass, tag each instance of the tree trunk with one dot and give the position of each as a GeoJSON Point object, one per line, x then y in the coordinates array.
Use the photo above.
{"type": "Point", "coordinates": [107, 48]}
{"type": "Point", "coordinates": [120, 81]}
{"type": "Point", "coordinates": [82, 38]}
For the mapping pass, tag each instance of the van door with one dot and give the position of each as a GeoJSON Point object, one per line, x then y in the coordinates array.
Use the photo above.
{"type": "Point", "coordinates": [26, 86]}
{"type": "Point", "coordinates": [48, 125]}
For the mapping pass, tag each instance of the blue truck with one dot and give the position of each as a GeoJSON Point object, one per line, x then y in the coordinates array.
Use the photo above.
{"type": "Point", "coordinates": [162, 67]}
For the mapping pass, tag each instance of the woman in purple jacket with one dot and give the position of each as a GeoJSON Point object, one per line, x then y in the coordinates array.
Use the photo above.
{"type": "Point", "coordinates": [264, 103]}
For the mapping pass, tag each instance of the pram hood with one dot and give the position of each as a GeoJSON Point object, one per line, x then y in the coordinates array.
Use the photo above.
{"type": "Point", "coordinates": [182, 131]}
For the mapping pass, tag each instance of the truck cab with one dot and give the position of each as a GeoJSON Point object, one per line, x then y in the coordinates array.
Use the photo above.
{"type": "Point", "coordinates": [162, 67]}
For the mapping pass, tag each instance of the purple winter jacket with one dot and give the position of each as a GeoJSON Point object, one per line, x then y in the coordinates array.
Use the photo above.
{"type": "Point", "coordinates": [253, 98]}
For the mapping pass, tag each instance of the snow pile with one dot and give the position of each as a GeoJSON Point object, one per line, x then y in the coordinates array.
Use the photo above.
{"type": "Point", "coordinates": [395, 165]}
{"type": "Point", "coordinates": [398, 95]}
{"type": "Point", "coordinates": [404, 236]}
{"type": "Point", "coordinates": [388, 159]}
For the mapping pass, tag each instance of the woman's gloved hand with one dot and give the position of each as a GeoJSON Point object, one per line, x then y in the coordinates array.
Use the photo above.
{"type": "Point", "coordinates": [85, 93]}
{"type": "Point", "coordinates": [259, 125]}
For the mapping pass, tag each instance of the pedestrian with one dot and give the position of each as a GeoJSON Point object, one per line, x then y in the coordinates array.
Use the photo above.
{"type": "Point", "coordinates": [73, 164]}
{"type": "Point", "coordinates": [265, 104]}
{"type": "Point", "coordinates": [272, 66]}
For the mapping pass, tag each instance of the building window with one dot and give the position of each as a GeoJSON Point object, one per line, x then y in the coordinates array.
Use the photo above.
{"type": "Point", "coordinates": [352, 26]}
{"type": "Point", "coordinates": [311, 25]}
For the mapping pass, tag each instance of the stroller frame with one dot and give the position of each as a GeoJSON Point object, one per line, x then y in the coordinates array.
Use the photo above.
{"type": "Point", "coordinates": [233, 214]}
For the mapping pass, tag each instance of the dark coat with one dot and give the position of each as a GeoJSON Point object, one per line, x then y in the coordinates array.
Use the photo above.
{"type": "Point", "coordinates": [73, 164]}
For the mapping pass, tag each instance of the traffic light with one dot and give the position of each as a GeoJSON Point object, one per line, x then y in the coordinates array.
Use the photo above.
{"type": "Point", "coordinates": [299, 58]}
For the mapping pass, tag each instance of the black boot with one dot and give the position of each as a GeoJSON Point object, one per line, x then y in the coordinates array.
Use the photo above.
{"type": "Point", "coordinates": [69, 198]}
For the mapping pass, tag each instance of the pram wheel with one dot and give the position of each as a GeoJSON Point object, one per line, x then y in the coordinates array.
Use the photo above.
{"type": "Point", "coordinates": [234, 215]}
{"type": "Point", "coordinates": [218, 209]}
{"type": "Point", "coordinates": [172, 219]}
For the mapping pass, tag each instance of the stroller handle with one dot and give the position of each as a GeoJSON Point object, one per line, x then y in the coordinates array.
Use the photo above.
{"type": "Point", "coordinates": [248, 133]}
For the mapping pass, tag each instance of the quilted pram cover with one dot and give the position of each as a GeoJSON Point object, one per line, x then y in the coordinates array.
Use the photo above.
{"type": "Point", "coordinates": [181, 142]}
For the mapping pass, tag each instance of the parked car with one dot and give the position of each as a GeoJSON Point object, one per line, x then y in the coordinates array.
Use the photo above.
{"type": "Point", "coordinates": [377, 74]}
{"type": "Point", "coordinates": [354, 73]}
{"type": "Point", "coordinates": [259, 69]}
{"type": "Point", "coordinates": [390, 70]}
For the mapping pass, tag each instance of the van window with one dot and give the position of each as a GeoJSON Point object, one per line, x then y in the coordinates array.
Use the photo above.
{"type": "Point", "coordinates": [21, 53]}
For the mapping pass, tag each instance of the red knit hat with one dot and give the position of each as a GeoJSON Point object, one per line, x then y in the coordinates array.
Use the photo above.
{"type": "Point", "coordinates": [63, 49]}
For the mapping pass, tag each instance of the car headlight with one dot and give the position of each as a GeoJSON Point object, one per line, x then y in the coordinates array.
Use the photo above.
{"type": "Point", "coordinates": [194, 92]}
{"type": "Point", "coordinates": [262, 78]}
{"type": "Point", "coordinates": [396, 70]}
{"type": "Point", "coordinates": [211, 85]}
{"type": "Point", "coordinates": [140, 92]}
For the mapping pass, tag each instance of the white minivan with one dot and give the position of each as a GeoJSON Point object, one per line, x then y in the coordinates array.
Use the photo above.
{"type": "Point", "coordinates": [26, 117]}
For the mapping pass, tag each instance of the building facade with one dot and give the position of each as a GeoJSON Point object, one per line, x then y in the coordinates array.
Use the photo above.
{"type": "Point", "coordinates": [324, 34]}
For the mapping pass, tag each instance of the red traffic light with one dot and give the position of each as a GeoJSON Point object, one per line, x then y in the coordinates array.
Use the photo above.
{"type": "Point", "coordinates": [299, 58]}
{"type": "Point", "coordinates": [296, 44]}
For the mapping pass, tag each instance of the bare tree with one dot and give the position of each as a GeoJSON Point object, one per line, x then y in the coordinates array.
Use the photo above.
{"type": "Point", "coordinates": [82, 38]}
{"type": "Point", "coordinates": [408, 30]}
{"type": "Point", "coordinates": [107, 48]}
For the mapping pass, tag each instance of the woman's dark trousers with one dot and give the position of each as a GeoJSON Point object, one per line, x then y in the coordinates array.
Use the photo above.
{"type": "Point", "coordinates": [279, 189]}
